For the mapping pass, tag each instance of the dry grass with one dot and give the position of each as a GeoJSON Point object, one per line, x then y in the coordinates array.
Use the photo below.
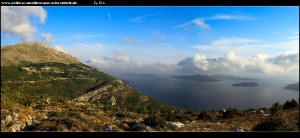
{"type": "Point", "coordinates": [246, 122]}
{"type": "Point", "coordinates": [42, 53]}
{"type": "Point", "coordinates": [72, 117]}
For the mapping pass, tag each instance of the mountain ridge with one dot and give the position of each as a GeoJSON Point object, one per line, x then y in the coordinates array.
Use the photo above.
{"type": "Point", "coordinates": [293, 86]}
{"type": "Point", "coordinates": [246, 84]}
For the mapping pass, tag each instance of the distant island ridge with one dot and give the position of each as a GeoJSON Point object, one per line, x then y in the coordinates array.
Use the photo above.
{"type": "Point", "coordinates": [212, 78]}
{"type": "Point", "coordinates": [141, 75]}
{"type": "Point", "coordinates": [246, 84]}
{"type": "Point", "coordinates": [294, 86]}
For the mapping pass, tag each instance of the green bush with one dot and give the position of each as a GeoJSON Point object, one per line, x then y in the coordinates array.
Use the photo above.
{"type": "Point", "coordinates": [121, 115]}
{"type": "Point", "coordinates": [155, 121]}
{"type": "Point", "coordinates": [27, 101]}
{"type": "Point", "coordinates": [184, 117]}
{"type": "Point", "coordinates": [143, 110]}
{"type": "Point", "coordinates": [140, 128]}
{"type": "Point", "coordinates": [290, 104]}
{"type": "Point", "coordinates": [5, 88]}
{"type": "Point", "coordinates": [231, 113]}
{"type": "Point", "coordinates": [206, 115]}
{"type": "Point", "coordinates": [170, 117]}
{"type": "Point", "coordinates": [276, 108]}
{"type": "Point", "coordinates": [276, 123]}
{"type": "Point", "coordinates": [192, 112]}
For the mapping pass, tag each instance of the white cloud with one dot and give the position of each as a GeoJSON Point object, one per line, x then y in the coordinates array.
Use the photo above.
{"type": "Point", "coordinates": [118, 57]}
{"type": "Point", "coordinates": [194, 64]}
{"type": "Point", "coordinates": [122, 57]}
{"type": "Point", "coordinates": [95, 61]}
{"type": "Point", "coordinates": [142, 18]}
{"type": "Point", "coordinates": [293, 37]}
{"type": "Point", "coordinates": [85, 50]}
{"type": "Point", "coordinates": [88, 47]}
{"type": "Point", "coordinates": [109, 16]}
{"type": "Point", "coordinates": [129, 41]}
{"type": "Point", "coordinates": [58, 48]}
{"type": "Point", "coordinates": [81, 36]}
{"type": "Point", "coordinates": [156, 37]}
{"type": "Point", "coordinates": [47, 38]}
{"type": "Point", "coordinates": [232, 63]}
{"type": "Point", "coordinates": [229, 17]}
{"type": "Point", "coordinates": [112, 66]}
{"type": "Point", "coordinates": [248, 46]}
{"type": "Point", "coordinates": [232, 41]}
{"type": "Point", "coordinates": [227, 45]}
{"type": "Point", "coordinates": [198, 22]}
{"type": "Point", "coordinates": [285, 59]}
{"type": "Point", "coordinates": [15, 20]}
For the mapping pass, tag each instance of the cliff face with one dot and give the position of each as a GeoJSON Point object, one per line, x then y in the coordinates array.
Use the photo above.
{"type": "Point", "coordinates": [113, 93]}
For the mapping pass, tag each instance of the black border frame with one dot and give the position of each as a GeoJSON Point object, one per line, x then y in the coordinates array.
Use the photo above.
{"type": "Point", "coordinates": [155, 3]}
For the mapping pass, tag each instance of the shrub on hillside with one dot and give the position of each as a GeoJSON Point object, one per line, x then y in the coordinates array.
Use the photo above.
{"type": "Point", "coordinates": [170, 117]}
{"type": "Point", "coordinates": [231, 113]}
{"type": "Point", "coordinates": [27, 101]}
{"type": "Point", "coordinates": [155, 121]}
{"type": "Point", "coordinates": [276, 108]}
{"type": "Point", "coordinates": [143, 110]}
{"type": "Point", "coordinates": [184, 117]}
{"type": "Point", "coordinates": [140, 128]}
{"type": "Point", "coordinates": [192, 112]}
{"type": "Point", "coordinates": [121, 115]}
{"type": "Point", "coordinates": [290, 104]}
{"type": "Point", "coordinates": [276, 123]}
{"type": "Point", "coordinates": [206, 115]}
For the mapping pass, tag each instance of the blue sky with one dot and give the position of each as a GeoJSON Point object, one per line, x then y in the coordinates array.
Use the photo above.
{"type": "Point", "coordinates": [202, 38]}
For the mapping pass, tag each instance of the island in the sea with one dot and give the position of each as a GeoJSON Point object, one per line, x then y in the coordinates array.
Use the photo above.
{"type": "Point", "coordinates": [246, 84]}
{"type": "Point", "coordinates": [294, 86]}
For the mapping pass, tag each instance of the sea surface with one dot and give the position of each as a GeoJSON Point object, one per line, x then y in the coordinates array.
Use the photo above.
{"type": "Point", "coordinates": [218, 95]}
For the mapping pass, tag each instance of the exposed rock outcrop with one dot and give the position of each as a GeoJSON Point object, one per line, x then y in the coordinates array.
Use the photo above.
{"type": "Point", "coordinates": [176, 124]}
{"type": "Point", "coordinates": [13, 123]}
{"type": "Point", "coordinates": [108, 93]}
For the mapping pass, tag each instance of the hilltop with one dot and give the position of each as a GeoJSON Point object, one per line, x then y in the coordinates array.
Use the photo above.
{"type": "Point", "coordinates": [33, 52]}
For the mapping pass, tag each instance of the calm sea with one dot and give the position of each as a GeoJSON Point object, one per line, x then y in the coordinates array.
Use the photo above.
{"type": "Point", "coordinates": [190, 94]}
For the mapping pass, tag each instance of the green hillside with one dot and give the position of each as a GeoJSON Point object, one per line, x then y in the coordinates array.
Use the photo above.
{"type": "Point", "coordinates": [33, 72]}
